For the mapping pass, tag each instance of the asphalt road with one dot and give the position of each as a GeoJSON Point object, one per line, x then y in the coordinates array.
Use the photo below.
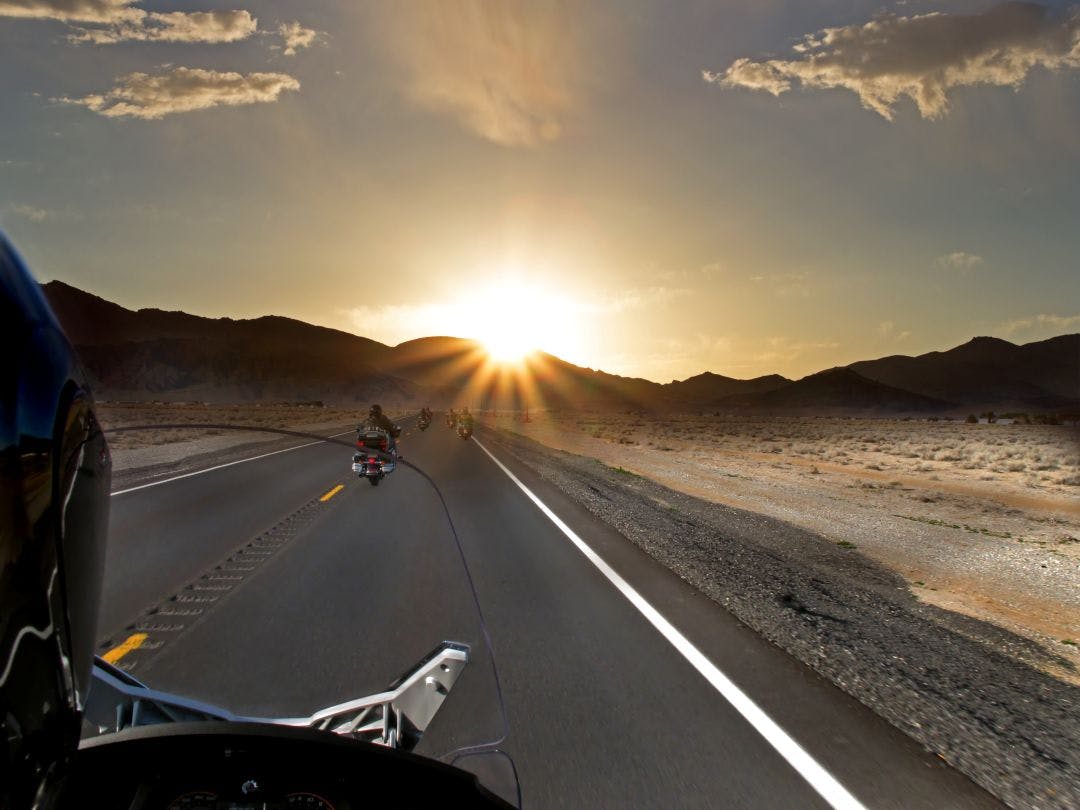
{"type": "Point", "coordinates": [603, 710]}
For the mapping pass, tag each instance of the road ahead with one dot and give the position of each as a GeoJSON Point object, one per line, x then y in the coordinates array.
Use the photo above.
{"type": "Point", "coordinates": [603, 709]}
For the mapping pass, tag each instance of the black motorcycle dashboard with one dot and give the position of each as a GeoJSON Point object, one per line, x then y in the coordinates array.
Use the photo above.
{"type": "Point", "coordinates": [249, 766]}
{"type": "Point", "coordinates": [257, 799]}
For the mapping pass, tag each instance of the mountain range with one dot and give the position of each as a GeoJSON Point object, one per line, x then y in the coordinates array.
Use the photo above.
{"type": "Point", "coordinates": [152, 354]}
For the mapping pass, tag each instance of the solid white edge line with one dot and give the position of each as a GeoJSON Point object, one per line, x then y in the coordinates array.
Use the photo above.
{"type": "Point", "coordinates": [807, 767]}
{"type": "Point", "coordinates": [222, 466]}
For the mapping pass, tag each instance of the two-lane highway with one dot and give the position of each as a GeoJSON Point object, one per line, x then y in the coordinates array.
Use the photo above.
{"type": "Point", "coordinates": [161, 535]}
{"type": "Point", "coordinates": [623, 686]}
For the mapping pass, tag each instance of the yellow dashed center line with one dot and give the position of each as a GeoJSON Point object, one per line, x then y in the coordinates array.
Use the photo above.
{"type": "Point", "coordinates": [118, 652]}
{"type": "Point", "coordinates": [332, 493]}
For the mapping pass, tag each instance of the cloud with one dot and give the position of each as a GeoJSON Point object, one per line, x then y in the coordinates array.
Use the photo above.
{"type": "Point", "coordinates": [640, 298]}
{"type": "Point", "coordinates": [887, 331]}
{"type": "Point", "coordinates": [77, 11]}
{"type": "Point", "coordinates": [150, 97]}
{"type": "Point", "coordinates": [783, 349]}
{"type": "Point", "coordinates": [787, 285]}
{"type": "Point", "coordinates": [30, 212]}
{"type": "Point", "coordinates": [959, 260]}
{"type": "Point", "coordinates": [706, 271]}
{"type": "Point", "coordinates": [792, 285]}
{"type": "Point", "coordinates": [923, 56]}
{"type": "Point", "coordinates": [509, 71]}
{"type": "Point", "coordinates": [174, 26]}
{"type": "Point", "coordinates": [295, 37]}
{"type": "Point", "coordinates": [1056, 324]}
{"type": "Point", "coordinates": [123, 22]}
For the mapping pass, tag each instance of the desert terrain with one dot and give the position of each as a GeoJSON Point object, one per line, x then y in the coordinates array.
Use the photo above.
{"type": "Point", "coordinates": [982, 519]}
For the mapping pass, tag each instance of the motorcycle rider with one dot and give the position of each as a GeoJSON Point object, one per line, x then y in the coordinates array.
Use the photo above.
{"type": "Point", "coordinates": [451, 418]}
{"type": "Point", "coordinates": [465, 419]}
{"type": "Point", "coordinates": [377, 419]}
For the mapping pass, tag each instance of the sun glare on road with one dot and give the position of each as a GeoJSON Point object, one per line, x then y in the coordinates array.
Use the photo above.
{"type": "Point", "coordinates": [514, 319]}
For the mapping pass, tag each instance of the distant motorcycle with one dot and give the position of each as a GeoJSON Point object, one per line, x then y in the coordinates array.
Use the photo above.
{"type": "Point", "coordinates": [423, 422]}
{"type": "Point", "coordinates": [465, 430]}
{"type": "Point", "coordinates": [376, 455]}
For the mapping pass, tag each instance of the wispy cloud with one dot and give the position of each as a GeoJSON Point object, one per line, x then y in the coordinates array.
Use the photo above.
{"type": "Point", "coordinates": [122, 21]}
{"type": "Point", "coordinates": [153, 96]}
{"type": "Point", "coordinates": [707, 272]}
{"type": "Point", "coordinates": [509, 71]}
{"type": "Point", "coordinates": [959, 260]}
{"type": "Point", "coordinates": [77, 11]}
{"type": "Point", "coordinates": [640, 298]}
{"type": "Point", "coordinates": [786, 350]}
{"type": "Point", "coordinates": [1044, 324]}
{"type": "Point", "coordinates": [923, 56]}
{"type": "Point", "coordinates": [795, 284]}
{"type": "Point", "coordinates": [174, 26]}
{"type": "Point", "coordinates": [792, 285]}
{"type": "Point", "coordinates": [295, 37]}
{"type": "Point", "coordinates": [887, 330]}
{"type": "Point", "coordinates": [30, 212]}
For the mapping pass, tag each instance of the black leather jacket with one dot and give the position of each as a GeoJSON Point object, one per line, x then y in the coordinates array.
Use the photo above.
{"type": "Point", "coordinates": [382, 421]}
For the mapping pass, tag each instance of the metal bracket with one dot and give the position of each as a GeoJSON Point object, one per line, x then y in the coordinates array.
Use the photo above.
{"type": "Point", "coordinates": [396, 718]}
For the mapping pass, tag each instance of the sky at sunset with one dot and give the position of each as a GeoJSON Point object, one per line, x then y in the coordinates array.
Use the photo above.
{"type": "Point", "coordinates": [652, 188]}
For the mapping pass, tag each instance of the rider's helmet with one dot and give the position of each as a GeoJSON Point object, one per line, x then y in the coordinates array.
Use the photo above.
{"type": "Point", "coordinates": [54, 499]}
{"type": "Point", "coordinates": [376, 410]}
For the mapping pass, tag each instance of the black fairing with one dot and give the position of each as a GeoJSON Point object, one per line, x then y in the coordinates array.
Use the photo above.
{"type": "Point", "coordinates": [54, 485]}
{"type": "Point", "coordinates": [150, 766]}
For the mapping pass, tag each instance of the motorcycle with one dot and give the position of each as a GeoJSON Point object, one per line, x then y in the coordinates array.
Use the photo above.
{"type": "Point", "coordinates": [465, 430]}
{"type": "Point", "coordinates": [376, 455]}
{"type": "Point", "coordinates": [423, 422]}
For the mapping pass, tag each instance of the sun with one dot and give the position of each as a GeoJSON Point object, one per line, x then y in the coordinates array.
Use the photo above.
{"type": "Point", "coordinates": [509, 347]}
{"type": "Point", "coordinates": [513, 319]}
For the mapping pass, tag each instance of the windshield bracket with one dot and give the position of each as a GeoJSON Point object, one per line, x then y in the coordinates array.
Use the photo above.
{"type": "Point", "coordinates": [396, 718]}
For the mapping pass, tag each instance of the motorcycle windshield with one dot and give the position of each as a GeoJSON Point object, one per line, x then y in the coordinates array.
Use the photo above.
{"type": "Point", "coordinates": [277, 605]}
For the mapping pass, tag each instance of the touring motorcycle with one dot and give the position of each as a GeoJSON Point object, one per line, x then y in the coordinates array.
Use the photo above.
{"type": "Point", "coordinates": [376, 454]}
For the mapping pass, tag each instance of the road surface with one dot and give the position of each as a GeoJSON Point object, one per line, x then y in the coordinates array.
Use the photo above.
{"type": "Point", "coordinates": [622, 685]}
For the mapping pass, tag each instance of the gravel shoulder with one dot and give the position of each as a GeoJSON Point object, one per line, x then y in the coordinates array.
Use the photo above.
{"type": "Point", "coordinates": [921, 498]}
{"type": "Point", "coordinates": [970, 691]}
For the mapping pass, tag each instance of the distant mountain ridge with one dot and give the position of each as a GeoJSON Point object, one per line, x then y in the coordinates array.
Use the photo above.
{"type": "Point", "coordinates": [153, 354]}
{"type": "Point", "coordinates": [156, 354]}
{"type": "Point", "coordinates": [989, 371]}
{"type": "Point", "coordinates": [836, 390]}
{"type": "Point", "coordinates": [709, 387]}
